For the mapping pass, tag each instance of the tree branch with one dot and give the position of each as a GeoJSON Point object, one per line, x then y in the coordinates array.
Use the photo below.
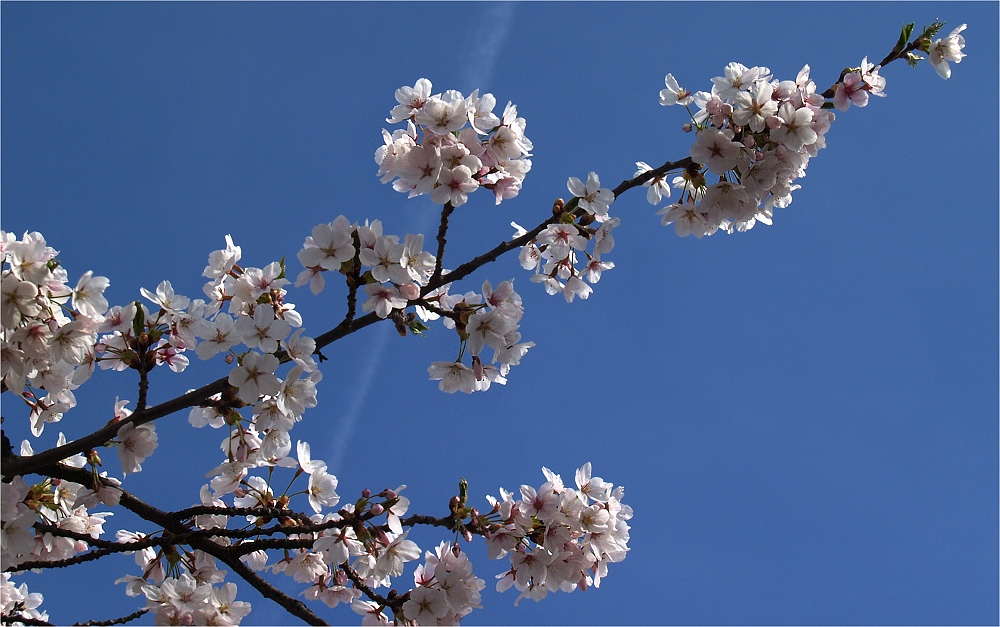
{"type": "Point", "coordinates": [113, 621]}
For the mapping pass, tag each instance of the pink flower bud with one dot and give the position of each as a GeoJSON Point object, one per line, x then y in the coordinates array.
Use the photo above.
{"type": "Point", "coordinates": [466, 534]}
{"type": "Point", "coordinates": [773, 122]}
{"type": "Point", "coordinates": [230, 358]}
{"type": "Point", "coordinates": [687, 127]}
{"type": "Point", "coordinates": [749, 141]}
{"type": "Point", "coordinates": [410, 291]}
{"type": "Point", "coordinates": [781, 152]}
{"type": "Point", "coordinates": [377, 509]}
{"type": "Point", "coordinates": [366, 493]}
{"type": "Point", "coordinates": [389, 494]}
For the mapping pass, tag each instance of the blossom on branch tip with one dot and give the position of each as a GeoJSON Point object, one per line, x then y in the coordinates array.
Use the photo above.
{"type": "Point", "coordinates": [947, 49]}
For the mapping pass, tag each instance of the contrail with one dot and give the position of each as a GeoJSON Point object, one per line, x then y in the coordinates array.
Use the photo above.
{"type": "Point", "coordinates": [489, 41]}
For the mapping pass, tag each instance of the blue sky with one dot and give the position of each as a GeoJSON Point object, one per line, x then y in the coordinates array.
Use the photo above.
{"type": "Point", "coordinates": [804, 416]}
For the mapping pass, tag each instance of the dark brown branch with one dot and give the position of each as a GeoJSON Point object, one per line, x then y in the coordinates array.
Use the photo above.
{"type": "Point", "coordinates": [223, 554]}
{"type": "Point", "coordinates": [10, 619]}
{"type": "Point", "coordinates": [359, 583]}
{"type": "Point", "coordinates": [113, 621]}
{"type": "Point", "coordinates": [442, 231]}
{"type": "Point", "coordinates": [651, 174]}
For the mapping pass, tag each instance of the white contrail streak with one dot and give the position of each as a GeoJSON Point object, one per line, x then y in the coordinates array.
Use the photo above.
{"type": "Point", "coordinates": [483, 58]}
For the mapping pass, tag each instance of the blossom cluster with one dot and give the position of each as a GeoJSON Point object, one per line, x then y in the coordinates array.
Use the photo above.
{"type": "Point", "coordinates": [757, 134]}
{"type": "Point", "coordinates": [453, 145]}
{"type": "Point", "coordinates": [17, 601]}
{"type": "Point", "coordinates": [557, 537]}
{"type": "Point", "coordinates": [487, 319]}
{"type": "Point", "coordinates": [48, 328]}
{"type": "Point", "coordinates": [55, 502]}
{"type": "Point", "coordinates": [446, 589]}
{"type": "Point", "coordinates": [395, 274]}
{"type": "Point", "coordinates": [555, 252]}
{"type": "Point", "coordinates": [185, 600]}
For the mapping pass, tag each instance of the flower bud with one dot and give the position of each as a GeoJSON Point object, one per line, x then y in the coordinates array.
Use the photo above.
{"type": "Point", "coordinates": [467, 535]}
{"type": "Point", "coordinates": [377, 509]}
{"type": "Point", "coordinates": [410, 291]}
{"type": "Point", "coordinates": [686, 127]}
{"type": "Point", "coordinates": [230, 358]}
{"type": "Point", "coordinates": [389, 494]}
{"type": "Point", "coordinates": [366, 493]}
{"type": "Point", "coordinates": [773, 122]}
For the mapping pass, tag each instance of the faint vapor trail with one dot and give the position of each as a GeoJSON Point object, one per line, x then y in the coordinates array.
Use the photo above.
{"type": "Point", "coordinates": [489, 39]}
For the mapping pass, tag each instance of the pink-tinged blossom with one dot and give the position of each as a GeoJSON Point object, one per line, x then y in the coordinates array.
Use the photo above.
{"type": "Point", "coordinates": [576, 287]}
{"type": "Point", "coordinates": [329, 246]}
{"type": "Point", "coordinates": [850, 91]}
{"type": "Point", "coordinates": [796, 127]}
{"type": "Point", "coordinates": [255, 377]}
{"type": "Point", "coordinates": [947, 49]}
{"type": "Point", "coordinates": [716, 150]}
{"type": "Point", "coordinates": [135, 445]}
{"type": "Point", "coordinates": [221, 262]}
{"type": "Point", "coordinates": [410, 100]}
{"type": "Point", "coordinates": [658, 186]}
{"type": "Point", "coordinates": [754, 107]}
{"type": "Point", "coordinates": [454, 186]}
{"type": "Point", "coordinates": [263, 330]}
{"type": "Point", "coordinates": [382, 299]}
{"type": "Point", "coordinates": [88, 297]}
{"type": "Point", "coordinates": [674, 93]}
{"type": "Point", "coordinates": [454, 376]}
{"type": "Point", "coordinates": [300, 348]}
{"type": "Point", "coordinates": [221, 336]}
{"type": "Point", "coordinates": [488, 329]}
{"type": "Point", "coordinates": [389, 562]}
{"type": "Point", "coordinates": [594, 199]}
{"type": "Point", "coordinates": [19, 300]}
{"type": "Point", "coordinates": [166, 298]}
{"type": "Point", "coordinates": [686, 218]}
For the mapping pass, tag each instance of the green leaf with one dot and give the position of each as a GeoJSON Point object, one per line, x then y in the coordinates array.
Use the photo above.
{"type": "Point", "coordinates": [904, 36]}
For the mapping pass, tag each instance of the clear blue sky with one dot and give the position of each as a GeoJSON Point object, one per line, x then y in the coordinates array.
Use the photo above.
{"type": "Point", "coordinates": [804, 416]}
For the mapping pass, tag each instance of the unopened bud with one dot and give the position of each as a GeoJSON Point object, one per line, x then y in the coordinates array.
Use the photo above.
{"type": "Point", "coordinates": [749, 141]}
{"type": "Point", "coordinates": [389, 494]}
{"type": "Point", "coordinates": [686, 127]}
{"type": "Point", "coordinates": [366, 493]}
{"type": "Point", "coordinates": [230, 358]}
{"type": "Point", "coordinates": [93, 458]}
{"type": "Point", "coordinates": [466, 534]}
{"type": "Point", "coordinates": [410, 291]}
{"type": "Point", "coordinates": [773, 122]}
{"type": "Point", "coordinates": [477, 368]}
{"type": "Point", "coordinates": [557, 206]}
{"type": "Point", "coordinates": [383, 539]}
{"type": "Point", "coordinates": [377, 509]}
